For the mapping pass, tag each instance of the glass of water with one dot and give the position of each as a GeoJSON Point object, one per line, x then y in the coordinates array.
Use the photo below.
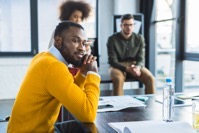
{"type": "Point", "coordinates": [195, 113]}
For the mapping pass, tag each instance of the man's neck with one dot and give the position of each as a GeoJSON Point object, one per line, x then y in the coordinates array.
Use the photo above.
{"type": "Point", "coordinates": [126, 36]}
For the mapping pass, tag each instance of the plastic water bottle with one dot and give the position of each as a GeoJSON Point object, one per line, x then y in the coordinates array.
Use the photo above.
{"type": "Point", "coordinates": [168, 101]}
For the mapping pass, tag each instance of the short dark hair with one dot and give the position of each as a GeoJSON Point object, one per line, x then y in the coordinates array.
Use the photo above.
{"type": "Point", "coordinates": [64, 26]}
{"type": "Point", "coordinates": [126, 17]}
{"type": "Point", "coordinates": [68, 7]}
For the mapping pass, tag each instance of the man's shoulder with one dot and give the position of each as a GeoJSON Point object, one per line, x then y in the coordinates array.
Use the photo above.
{"type": "Point", "coordinates": [45, 59]}
{"type": "Point", "coordinates": [137, 35]}
{"type": "Point", "coordinates": [115, 35]}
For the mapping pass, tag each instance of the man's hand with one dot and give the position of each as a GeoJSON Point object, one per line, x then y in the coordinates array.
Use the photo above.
{"type": "Point", "coordinates": [89, 63]}
{"type": "Point", "coordinates": [134, 70]}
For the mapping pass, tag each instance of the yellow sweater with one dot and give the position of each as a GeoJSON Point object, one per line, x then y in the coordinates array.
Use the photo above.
{"type": "Point", "coordinates": [46, 86]}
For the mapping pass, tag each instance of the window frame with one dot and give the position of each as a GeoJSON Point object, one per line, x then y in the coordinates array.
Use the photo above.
{"type": "Point", "coordinates": [34, 42]}
{"type": "Point", "coordinates": [33, 32]}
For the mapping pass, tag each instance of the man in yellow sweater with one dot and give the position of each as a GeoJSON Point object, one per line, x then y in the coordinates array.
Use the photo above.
{"type": "Point", "coordinates": [48, 84]}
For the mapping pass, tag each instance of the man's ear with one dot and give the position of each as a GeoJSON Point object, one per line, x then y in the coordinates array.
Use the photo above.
{"type": "Point", "coordinates": [121, 26]}
{"type": "Point", "coordinates": [58, 42]}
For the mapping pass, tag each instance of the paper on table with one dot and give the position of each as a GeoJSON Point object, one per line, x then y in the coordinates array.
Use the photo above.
{"type": "Point", "coordinates": [187, 96]}
{"type": "Point", "coordinates": [115, 103]}
{"type": "Point", "coordinates": [152, 127]}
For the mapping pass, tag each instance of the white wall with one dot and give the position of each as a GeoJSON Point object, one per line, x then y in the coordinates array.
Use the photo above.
{"type": "Point", "coordinates": [12, 70]}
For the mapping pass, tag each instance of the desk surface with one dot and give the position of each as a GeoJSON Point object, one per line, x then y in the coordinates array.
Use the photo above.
{"type": "Point", "coordinates": [153, 111]}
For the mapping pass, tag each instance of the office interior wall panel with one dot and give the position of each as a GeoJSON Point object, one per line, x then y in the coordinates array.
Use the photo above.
{"type": "Point", "coordinates": [12, 71]}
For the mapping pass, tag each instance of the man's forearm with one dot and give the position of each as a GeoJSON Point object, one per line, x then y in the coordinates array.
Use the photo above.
{"type": "Point", "coordinates": [118, 66]}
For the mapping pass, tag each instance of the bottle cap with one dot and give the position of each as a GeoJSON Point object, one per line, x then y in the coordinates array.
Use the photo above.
{"type": "Point", "coordinates": [168, 80]}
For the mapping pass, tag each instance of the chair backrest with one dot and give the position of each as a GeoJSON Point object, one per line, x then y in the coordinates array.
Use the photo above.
{"type": "Point", "coordinates": [5, 119]}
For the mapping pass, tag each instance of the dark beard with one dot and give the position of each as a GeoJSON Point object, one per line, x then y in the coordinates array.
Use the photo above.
{"type": "Point", "coordinates": [73, 62]}
{"type": "Point", "coordinates": [77, 63]}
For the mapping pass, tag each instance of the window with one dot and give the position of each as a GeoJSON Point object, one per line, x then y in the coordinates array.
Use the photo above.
{"type": "Point", "coordinates": [15, 27]}
{"type": "Point", "coordinates": [165, 41]}
{"type": "Point", "coordinates": [184, 67]}
{"type": "Point", "coordinates": [191, 75]}
{"type": "Point", "coordinates": [26, 26]}
{"type": "Point", "coordinates": [192, 43]}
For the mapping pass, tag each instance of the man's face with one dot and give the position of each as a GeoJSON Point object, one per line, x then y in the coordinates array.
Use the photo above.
{"type": "Point", "coordinates": [71, 45]}
{"type": "Point", "coordinates": [127, 26]}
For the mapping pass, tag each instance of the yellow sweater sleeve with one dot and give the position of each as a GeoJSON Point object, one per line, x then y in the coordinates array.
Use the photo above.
{"type": "Point", "coordinates": [82, 104]}
{"type": "Point", "coordinates": [79, 80]}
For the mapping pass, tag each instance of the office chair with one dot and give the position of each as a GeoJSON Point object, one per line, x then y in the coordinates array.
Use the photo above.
{"type": "Point", "coordinates": [5, 119]}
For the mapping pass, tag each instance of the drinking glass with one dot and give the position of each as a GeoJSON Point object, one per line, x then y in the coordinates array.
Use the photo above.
{"type": "Point", "coordinates": [195, 113]}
